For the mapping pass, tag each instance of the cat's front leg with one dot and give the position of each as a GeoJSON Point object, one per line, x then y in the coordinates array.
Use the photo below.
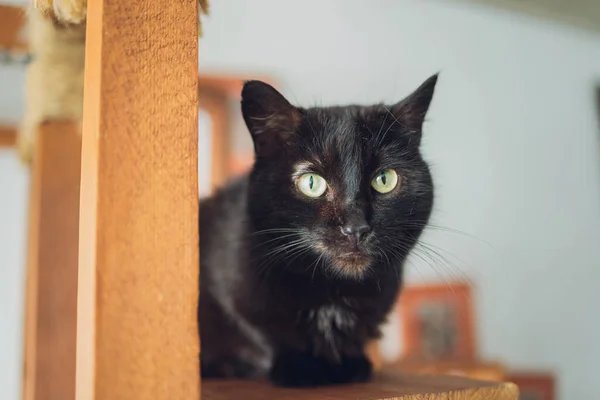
{"type": "Point", "coordinates": [304, 369]}
{"type": "Point", "coordinates": [352, 369]}
{"type": "Point", "coordinates": [299, 369]}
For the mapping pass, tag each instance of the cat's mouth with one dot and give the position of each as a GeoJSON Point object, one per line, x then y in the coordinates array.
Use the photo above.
{"type": "Point", "coordinates": [349, 260]}
{"type": "Point", "coordinates": [353, 263]}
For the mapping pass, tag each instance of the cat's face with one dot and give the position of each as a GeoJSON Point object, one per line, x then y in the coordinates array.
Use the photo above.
{"type": "Point", "coordinates": [347, 184]}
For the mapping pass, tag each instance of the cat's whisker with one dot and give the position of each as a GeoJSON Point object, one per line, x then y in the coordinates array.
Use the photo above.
{"type": "Point", "coordinates": [436, 250]}
{"type": "Point", "coordinates": [280, 249]}
{"type": "Point", "coordinates": [276, 230]}
{"type": "Point", "coordinates": [426, 256]}
{"type": "Point", "coordinates": [395, 119]}
{"type": "Point", "coordinates": [437, 263]}
{"type": "Point", "coordinates": [286, 247]}
{"type": "Point", "coordinates": [316, 264]}
{"type": "Point", "coordinates": [298, 254]}
{"type": "Point", "coordinates": [382, 138]}
{"type": "Point", "coordinates": [434, 227]}
{"type": "Point", "coordinates": [405, 249]}
{"type": "Point", "coordinates": [275, 239]}
{"type": "Point", "coordinates": [290, 249]}
{"type": "Point", "coordinates": [382, 125]}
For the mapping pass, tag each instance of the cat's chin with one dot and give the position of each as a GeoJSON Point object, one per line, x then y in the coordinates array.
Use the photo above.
{"type": "Point", "coordinates": [352, 265]}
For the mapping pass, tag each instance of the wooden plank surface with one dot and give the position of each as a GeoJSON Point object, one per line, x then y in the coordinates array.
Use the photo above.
{"type": "Point", "coordinates": [12, 21]}
{"type": "Point", "coordinates": [388, 385]}
{"type": "Point", "coordinates": [483, 370]}
{"type": "Point", "coordinates": [51, 303]}
{"type": "Point", "coordinates": [138, 264]}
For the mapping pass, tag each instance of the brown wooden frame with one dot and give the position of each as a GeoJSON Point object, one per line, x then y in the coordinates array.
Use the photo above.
{"type": "Point", "coordinates": [538, 383]}
{"type": "Point", "coordinates": [456, 293]}
{"type": "Point", "coordinates": [215, 94]}
{"type": "Point", "coordinates": [216, 105]}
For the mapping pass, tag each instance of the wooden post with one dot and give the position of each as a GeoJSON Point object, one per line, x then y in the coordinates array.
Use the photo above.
{"type": "Point", "coordinates": [51, 302]}
{"type": "Point", "coordinates": [386, 385]}
{"type": "Point", "coordinates": [137, 335]}
{"type": "Point", "coordinates": [12, 21]}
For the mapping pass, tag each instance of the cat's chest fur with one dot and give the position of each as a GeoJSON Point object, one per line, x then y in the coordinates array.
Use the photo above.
{"type": "Point", "coordinates": [330, 320]}
{"type": "Point", "coordinates": [331, 317]}
{"type": "Point", "coordinates": [327, 327]}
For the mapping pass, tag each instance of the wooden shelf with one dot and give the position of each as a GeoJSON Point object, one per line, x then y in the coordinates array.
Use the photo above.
{"type": "Point", "coordinates": [387, 385]}
{"type": "Point", "coordinates": [473, 369]}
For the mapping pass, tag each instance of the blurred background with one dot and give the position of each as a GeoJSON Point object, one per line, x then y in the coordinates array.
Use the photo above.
{"type": "Point", "coordinates": [513, 137]}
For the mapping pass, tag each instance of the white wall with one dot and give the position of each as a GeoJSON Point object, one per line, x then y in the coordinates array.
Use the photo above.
{"type": "Point", "coordinates": [13, 194]}
{"type": "Point", "coordinates": [14, 186]}
{"type": "Point", "coordinates": [513, 139]}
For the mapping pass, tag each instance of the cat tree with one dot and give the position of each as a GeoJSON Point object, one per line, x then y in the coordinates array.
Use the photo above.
{"type": "Point", "coordinates": [113, 247]}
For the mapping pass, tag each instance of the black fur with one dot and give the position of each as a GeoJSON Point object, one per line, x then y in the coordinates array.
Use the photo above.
{"type": "Point", "coordinates": [284, 293]}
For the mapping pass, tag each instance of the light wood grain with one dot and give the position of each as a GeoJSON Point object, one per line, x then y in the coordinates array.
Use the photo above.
{"type": "Point", "coordinates": [12, 21]}
{"type": "Point", "coordinates": [51, 303]}
{"type": "Point", "coordinates": [137, 332]}
{"type": "Point", "coordinates": [387, 385]}
{"type": "Point", "coordinates": [482, 370]}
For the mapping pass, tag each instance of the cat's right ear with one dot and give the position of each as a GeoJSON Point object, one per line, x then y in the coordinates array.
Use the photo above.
{"type": "Point", "coordinates": [412, 110]}
{"type": "Point", "coordinates": [270, 118]}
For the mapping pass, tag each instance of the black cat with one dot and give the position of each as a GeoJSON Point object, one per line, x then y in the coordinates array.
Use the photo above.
{"type": "Point", "coordinates": [301, 260]}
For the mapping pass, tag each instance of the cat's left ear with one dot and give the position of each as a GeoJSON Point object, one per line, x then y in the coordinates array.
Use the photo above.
{"type": "Point", "coordinates": [270, 118]}
{"type": "Point", "coordinates": [412, 110]}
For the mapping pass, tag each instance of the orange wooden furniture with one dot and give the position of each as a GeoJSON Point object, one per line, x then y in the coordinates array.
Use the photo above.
{"type": "Point", "coordinates": [8, 135]}
{"type": "Point", "coordinates": [137, 334]}
{"type": "Point", "coordinates": [51, 303]}
{"type": "Point", "coordinates": [217, 94]}
{"type": "Point", "coordinates": [12, 21]}
{"type": "Point", "coordinates": [485, 371]}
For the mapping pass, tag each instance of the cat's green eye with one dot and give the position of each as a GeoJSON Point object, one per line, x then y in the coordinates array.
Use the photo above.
{"type": "Point", "coordinates": [385, 181]}
{"type": "Point", "coordinates": [312, 185]}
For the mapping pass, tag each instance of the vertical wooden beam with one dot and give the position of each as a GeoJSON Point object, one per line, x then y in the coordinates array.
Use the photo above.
{"type": "Point", "coordinates": [51, 302]}
{"type": "Point", "coordinates": [137, 335]}
{"type": "Point", "coordinates": [12, 21]}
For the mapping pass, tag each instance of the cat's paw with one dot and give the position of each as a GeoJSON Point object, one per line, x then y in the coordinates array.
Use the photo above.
{"type": "Point", "coordinates": [299, 370]}
{"type": "Point", "coordinates": [352, 370]}
{"type": "Point", "coordinates": [306, 370]}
